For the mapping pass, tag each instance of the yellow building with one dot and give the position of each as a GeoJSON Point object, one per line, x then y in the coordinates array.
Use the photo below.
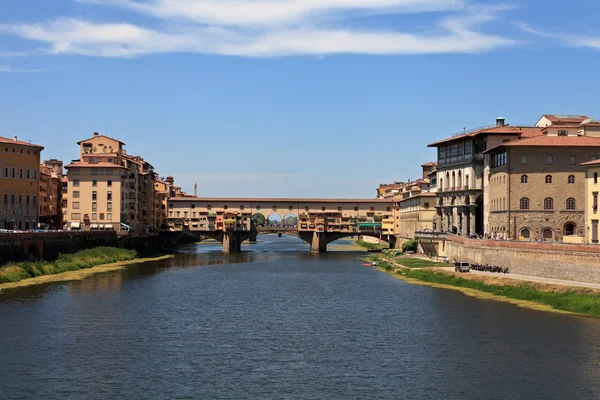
{"type": "Point", "coordinates": [109, 189]}
{"type": "Point", "coordinates": [416, 213]}
{"type": "Point", "coordinates": [592, 187]}
{"type": "Point", "coordinates": [19, 184]}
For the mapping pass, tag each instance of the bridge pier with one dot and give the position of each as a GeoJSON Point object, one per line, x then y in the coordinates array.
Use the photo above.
{"type": "Point", "coordinates": [395, 242]}
{"type": "Point", "coordinates": [318, 243]}
{"type": "Point", "coordinates": [232, 242]}
{"type": "Point", "coordinates": [253, 237]}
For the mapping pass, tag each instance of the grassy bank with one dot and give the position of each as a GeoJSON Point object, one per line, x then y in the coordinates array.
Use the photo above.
{"type": "Point", "coordinates": [85, 259]}
{"type": "Point", "coordinates": [421, 263]}
{"type": "Point", "coordinates": [370, 246]}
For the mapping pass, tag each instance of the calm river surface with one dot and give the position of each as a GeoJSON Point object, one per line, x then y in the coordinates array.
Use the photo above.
{"type": "Point", "coordinates": [276, 322]}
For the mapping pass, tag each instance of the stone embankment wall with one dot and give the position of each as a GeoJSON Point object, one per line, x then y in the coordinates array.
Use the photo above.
{"type": "Point", "coordinates": [549, 260]}
{"type": "Point", "coordinates": [47, 246]}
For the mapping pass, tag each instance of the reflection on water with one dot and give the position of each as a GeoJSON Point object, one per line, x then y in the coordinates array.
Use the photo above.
{"type": "Point", "coordinates": [278, 322]}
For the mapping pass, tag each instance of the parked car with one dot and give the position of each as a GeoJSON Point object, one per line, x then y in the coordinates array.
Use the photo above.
{"type": "Point", "coordinates": [461, 266]}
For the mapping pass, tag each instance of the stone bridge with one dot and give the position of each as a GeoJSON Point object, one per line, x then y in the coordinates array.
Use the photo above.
{"type": "Point", "coordinates": [320, 221]}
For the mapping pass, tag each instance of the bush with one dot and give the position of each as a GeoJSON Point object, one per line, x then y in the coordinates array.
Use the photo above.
{"type": "Point", "coordinates": [411, 245]}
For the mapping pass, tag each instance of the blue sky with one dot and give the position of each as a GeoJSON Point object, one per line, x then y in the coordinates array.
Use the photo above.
{"type": "Point", "coordinates": [287, 98]}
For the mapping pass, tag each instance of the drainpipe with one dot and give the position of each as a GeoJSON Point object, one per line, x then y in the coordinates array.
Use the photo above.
{"type": "Point", "coordinates": [508, 172]}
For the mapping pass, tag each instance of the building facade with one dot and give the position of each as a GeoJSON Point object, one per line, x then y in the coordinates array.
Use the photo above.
{"type": "Point", "coordinates": [537, 187]}
{"type": "Point", "coordinates": [460, 175]}
{"type": "Point", "coordinates": [19, 184]}
{"type": "Point", "coordinates": [50, 197]}
{"type": "Point", "coordinates": [592, 188]}
{"type": "Point", "coordinates": [110, 189]}
{"type": "Point", "coordinates": [416, 213]}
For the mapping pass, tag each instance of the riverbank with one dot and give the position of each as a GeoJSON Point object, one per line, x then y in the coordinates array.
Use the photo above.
{"type": "Point", "coordinates": [371, 246]}
{"type": "Point", "coordinates": [69, 267]}
{"type": "Point", "coordinates": [537, 296]}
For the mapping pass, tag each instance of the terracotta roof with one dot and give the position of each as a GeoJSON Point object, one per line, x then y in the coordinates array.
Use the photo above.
{"type": "Point", "coordinates": [590, 163]}
{"type": "Point", "coordinates": [554, 118]}
{"type": "Point", "coordinates": [99, 136]}
{"type": "Point", "coordinates": [524, 131]}
{"type": "Point", "coordinates": [552, 141]}
{"type": "Point", "coordinates": [95, 165]}
{"type": "Point", "coordinates": [424, 194]}
{"type": "Point", "coordinates": [430, 164]}
{"type": "Point", "coordinates": [286, 200]}
{"type": "Point", "coordinates": [12, 141]}
{"type": "Point", "coordinates": [559, 126]}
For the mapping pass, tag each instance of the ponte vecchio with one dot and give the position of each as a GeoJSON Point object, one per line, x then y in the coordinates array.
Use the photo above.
{"type": "Point", "coordinates": [319, 221]}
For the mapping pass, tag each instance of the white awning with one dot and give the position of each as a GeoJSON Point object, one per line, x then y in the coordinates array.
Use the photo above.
{"type": "Point", "coordinates": [94, 226]}
{"type": "Point", "coordinates": [75, 224]}
{"type": "Point", "coordinates": [108, 227]}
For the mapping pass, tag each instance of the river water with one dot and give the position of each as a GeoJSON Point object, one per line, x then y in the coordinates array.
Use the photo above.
{"type": "Point", "coordinates": [276, 322]}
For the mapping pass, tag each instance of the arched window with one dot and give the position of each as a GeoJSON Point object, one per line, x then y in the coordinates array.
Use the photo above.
{"type": "Point", "coordinates": [571, 178]}
{"type": "Point", "coordinates": [569, 229]}
{"type": "Point", "coordinates": [524, 203]}
{"type": "Point", "coordinates": [547, 234]}
{"type": "Point", "coordinates": [548, 204]}
{"type": "Point", "coordinates": [548, 178]}
{"type": "Point", "coordinates": [571, 204]}
{"type": "Point", "coordinates": [524, 179]}
{"type": "Point", "coordinates": [525, 234]}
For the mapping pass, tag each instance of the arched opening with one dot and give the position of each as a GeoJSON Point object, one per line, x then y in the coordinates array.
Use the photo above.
{"type": "Point", "coordinates": [570, 229]}
{"type": "Point", "coordinates": [479, 215]}
{"type": "Point", "coordinates": [259, 220]}
{"type": "Point", "coordinates": [525, 234]}
{"type": "Point", "coordinates": [290, 221]}
{"type": "Point", "coordinates": [547, 234]}
{"type": "Point", "coordinates": [274, 220]}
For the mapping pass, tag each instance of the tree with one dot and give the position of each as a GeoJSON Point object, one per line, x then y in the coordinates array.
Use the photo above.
{"type": "Point", "coordinates": [258, 219]}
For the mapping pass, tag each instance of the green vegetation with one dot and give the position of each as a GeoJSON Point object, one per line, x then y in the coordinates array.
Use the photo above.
{"type": "Point", "coordinates": [576, 301]}
{"type": "Point", "coordinates": [15, 272]}
{"type": "Point", "coordinates": [421, 263]}
{"type": "Point", "coordinates": [370, 246]}
{"type": "Point", "coordinates": [410, 245]}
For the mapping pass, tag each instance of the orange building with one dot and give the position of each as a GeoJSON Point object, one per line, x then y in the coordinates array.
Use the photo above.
{"type": "Point", "coordinates": [50, 197]}
{"type": "Point", "coordinates": [19, 184]}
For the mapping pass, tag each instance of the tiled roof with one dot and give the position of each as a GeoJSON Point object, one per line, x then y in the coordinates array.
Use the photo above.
{"type": "Point", "coordinates": [423, 194]}
{"type": "Point", "coordinates": [94, 165]}
{"type": "Point", "coordinates": [12, 141]}
{"type": "Point", "coordinates": [552, 141]}
{"type": "Point", "coordinates": [591, 163]}
{"type": "Point", "coordinates": [430, 164]}
{"type": "Point", "coordinates": [524, 131]}
{"type": "Point", "coordinates": [557, 118]}
{"type": "Point", "coordinates": [286, 200]}
{"type": "Point", "coordinates": [99, 136]}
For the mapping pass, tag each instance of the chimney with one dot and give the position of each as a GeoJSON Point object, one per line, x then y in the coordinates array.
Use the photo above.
{"type": "Point", "coordinates": [500, 122]}
{"type": "Point", "coordinates": [96, 133]}
{"type": "Point", "coordinates": [15, 138]}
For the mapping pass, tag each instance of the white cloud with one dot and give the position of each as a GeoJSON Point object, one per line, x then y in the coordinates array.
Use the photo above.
{"type": "Point", "coordinates": [212, 31]}
{"type": "Point", "coordinates": [592, 42]}
{"type": "Point", "coordinates": [10, 69]}
{"type": "Point", "coordinates": [269, 12]}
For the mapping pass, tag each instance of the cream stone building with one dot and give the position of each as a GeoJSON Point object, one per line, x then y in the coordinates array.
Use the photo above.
{"type": "Point", "coordinates": [19, 184]}
{"type": "Point", "coordinates": [536, 186]}
{"type": "Point", "coordinates": [460, 175]}
{"type": "Point", "coordinates": [416, 213]}
{"type": "Point", "coordinates": [110, 189]}
{"type": "Point", "coordinates": [592, 188]}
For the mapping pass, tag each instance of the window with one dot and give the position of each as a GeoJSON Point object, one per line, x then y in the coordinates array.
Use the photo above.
{"type": "Point", "coordinates": [75, 171]}
{"type": "Point", "coordinates": [524, 204]}
{"type": "Point", "coordinates": [94, 183]}
{"type": "Point", "coordinates": [109, 196]}
{"type": "Point", "coordinates": [108, 206]}
{"type": "Point", "coordinates": [548, 178]}
{"type": "Point", "coordinates": [20, 199]}
{"type": "Point", "coordinates": [109, 216]}
{"type": "Point", "coordinates": [595, 177]}
{"type": "Point", "coordinates": [524, 160]}
{"type": "Point", "coordinates": [94, 196]}
{"type": "Point", "coordinates": [94, 206]}
{"type": "Point", "coordinates": [101, 216]}
{"type": "Point", "coordinates": [76, 182]}
{"type": "Point", "coordinates": [28, 174]}
{"type": "Point", "coordinates": [5, 198]}
{"type": "Point", "coordinates": [524, 179]}
{"type": "Point", "coordinates": [35, 199]}
{"type": "Point", "coordinates": [340, 209]}
{"type": "Point", "coordinates": [12, 198]}
{"type": "Point", "coordinates": [75, 194]}
{"type": "Point", "coordinates": [569, 229]}
{"type": "Point", "coordinates": [14, 172]}
{"type": "Point", "coordinates": [109, 183]}
{"type": "Point", "coordinates": [547, 234]}
{"type": "Point", "coordinates": [549, 160]}
{"type": "Point", "coordinates": [76, 205]}
{"type": "Point", "coordinates": [594, 204]}
{"type": "Point", "coordinates": [257, 207]}
{"type": "Point", "coordinates": [20, 173]}
{"type": "Point", "coordinates": [75, 217]}
{"type": "Point", "coordinates": [355, 208]}
{"type": "Point", "coordinates": [548, 204]}
{"type": "Point", "coordinates": [572, 160]}
{"type": "Point", "coordinates": [525, 234]}
{"type": "Point", "coordinates": [571, 179]}
{"type": "Point", "coordinates": [94, 171]}
{"type": "Point", "coordinates": [109, 171]}
{"type": "Point", "coordinates": [35, 174]}
{"type": "Point", "coordinates": [571, 204]}
{"type": "Point", "coordinates": [94, 216]}
{"type": "Point", "coordinates": [27, 199]}
{"type": "Point", "coordinates": [225, 207]}
{"type": "Point", "coordinates": [562, 132]}
{"type": "Point", "coordinates": [322, 208]}
{"type": "Point", "coordinates": [6, 172]}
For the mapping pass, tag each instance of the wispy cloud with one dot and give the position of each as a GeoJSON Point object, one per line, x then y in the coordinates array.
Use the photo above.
{"type": "Point", "coordinates": [267, 28]}
{"type": "Point", "coordinates": [570, 40]}
{"type": "Point", "coordinates": [10, 69]}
